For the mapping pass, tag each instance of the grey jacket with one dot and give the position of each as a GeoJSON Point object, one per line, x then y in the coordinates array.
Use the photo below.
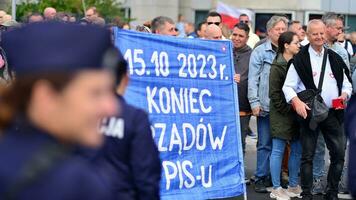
{"type": "Point", "coordinates": [241, 64]}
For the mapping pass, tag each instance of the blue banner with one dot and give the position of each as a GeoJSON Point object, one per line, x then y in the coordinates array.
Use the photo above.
{"type": "Point", "coordinates": [187, 87]}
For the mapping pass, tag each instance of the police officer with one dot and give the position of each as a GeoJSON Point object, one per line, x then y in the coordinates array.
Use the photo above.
{"type": "Point", "coordinates": [130, 149]}
{"type": "Point", "coordinates": [61, 92]}
{"type": "Point", "coordinates": [350, 121]}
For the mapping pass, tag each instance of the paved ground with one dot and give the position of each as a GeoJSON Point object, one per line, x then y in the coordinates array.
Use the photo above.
{"type": "Point", "coordinates": [250, 163]}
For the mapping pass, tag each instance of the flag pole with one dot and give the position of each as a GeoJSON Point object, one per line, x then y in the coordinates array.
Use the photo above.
{"type": "Point", "coordinates": [84, 6]}
{"type": "Point", "coordinates": [13, 9]}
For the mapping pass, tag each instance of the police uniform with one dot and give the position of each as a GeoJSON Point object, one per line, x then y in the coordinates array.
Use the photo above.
{"type": "Point", "coordinates": [33, 164]}
{"type": "Point", "coordinates": [66, 177]}
{"type": "Point", "coordinates": [130, 149]}
{"type": "Point", "coordinates": [350, 126]}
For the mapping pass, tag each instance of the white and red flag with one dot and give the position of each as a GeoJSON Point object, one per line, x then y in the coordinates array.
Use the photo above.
{"type": "Point", "coordinates": [230, 15]}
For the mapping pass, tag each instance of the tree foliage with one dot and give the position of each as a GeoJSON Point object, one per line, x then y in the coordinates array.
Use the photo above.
{"type": "Point", "coordinates": [107, 8]}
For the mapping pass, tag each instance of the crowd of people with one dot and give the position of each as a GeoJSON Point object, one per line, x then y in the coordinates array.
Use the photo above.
{"type": "Point", "coordinates": [280, 67]}
{"type": "Point", "coordinates": [272, 75]}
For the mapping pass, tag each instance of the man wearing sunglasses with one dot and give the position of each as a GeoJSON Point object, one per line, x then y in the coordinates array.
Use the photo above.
{"type": "Point", "coordinates": [214, 18]}
{"type": "Point", "coordinates": [252, 37]}
{"type": "Point", "coordinates": [164, 26]}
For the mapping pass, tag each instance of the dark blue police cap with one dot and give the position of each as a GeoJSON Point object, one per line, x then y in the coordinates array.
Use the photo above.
{"type": "Point", "coordinates": [51, 47]}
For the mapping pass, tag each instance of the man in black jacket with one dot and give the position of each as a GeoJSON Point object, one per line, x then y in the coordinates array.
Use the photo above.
{"type": "Point", "coordinates": [242, 53]}
{"type": "Point", "coordinates": [304, 74]}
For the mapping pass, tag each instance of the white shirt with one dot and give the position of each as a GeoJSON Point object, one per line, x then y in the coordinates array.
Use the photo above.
{"type": "Point", "coordinates": [252, 39]}
{"type": "Point", "coordinates": [305, 41]}
{"type": "Point", "coordinates": [293, 83]}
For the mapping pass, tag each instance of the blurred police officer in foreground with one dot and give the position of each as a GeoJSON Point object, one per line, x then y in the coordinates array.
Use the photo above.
{"type": "Point", "coordinates": [129, 148]}
{"type": "Point", "coordinates": [61, 92]}
{"type": "Point", "coordinates": [350, 126]}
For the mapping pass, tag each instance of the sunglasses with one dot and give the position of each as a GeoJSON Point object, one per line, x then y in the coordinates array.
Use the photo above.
{"type": "Point", "coordinates": [245, 22]}
{"type": "Point", "coordinates": [174, 29]}
{"type": "Point", "coordinates": [216, 23]}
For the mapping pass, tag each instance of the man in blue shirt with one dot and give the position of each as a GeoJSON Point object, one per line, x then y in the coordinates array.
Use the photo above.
{"type": "Point", "coordinates": [258, 89]}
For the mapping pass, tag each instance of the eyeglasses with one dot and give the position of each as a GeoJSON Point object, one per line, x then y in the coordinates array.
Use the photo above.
{"type": "Point", "coordinates": [245, 22]}
{"type": "Point", "coordinates": [216, 23]}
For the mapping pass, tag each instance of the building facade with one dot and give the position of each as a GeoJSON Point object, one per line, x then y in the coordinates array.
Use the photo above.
{"type": "Point", "coordinates": [4, 4]}
{"type": "Point", "coordinates": [196, 10]}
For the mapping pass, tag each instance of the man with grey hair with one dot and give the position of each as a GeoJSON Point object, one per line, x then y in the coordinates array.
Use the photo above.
{"type": "Point", "coordinates": [304, 73]}
{"type": "Point", "coordinates": [297, 28]}
{"type": "Point", "coordinates": [334, 24]}
{"type": "Point", "coordinates": [258, 96]}
{"type": "Point", "coordinates": [333, 28]}
{"type": "Point", "coordinates": [164, 26]}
